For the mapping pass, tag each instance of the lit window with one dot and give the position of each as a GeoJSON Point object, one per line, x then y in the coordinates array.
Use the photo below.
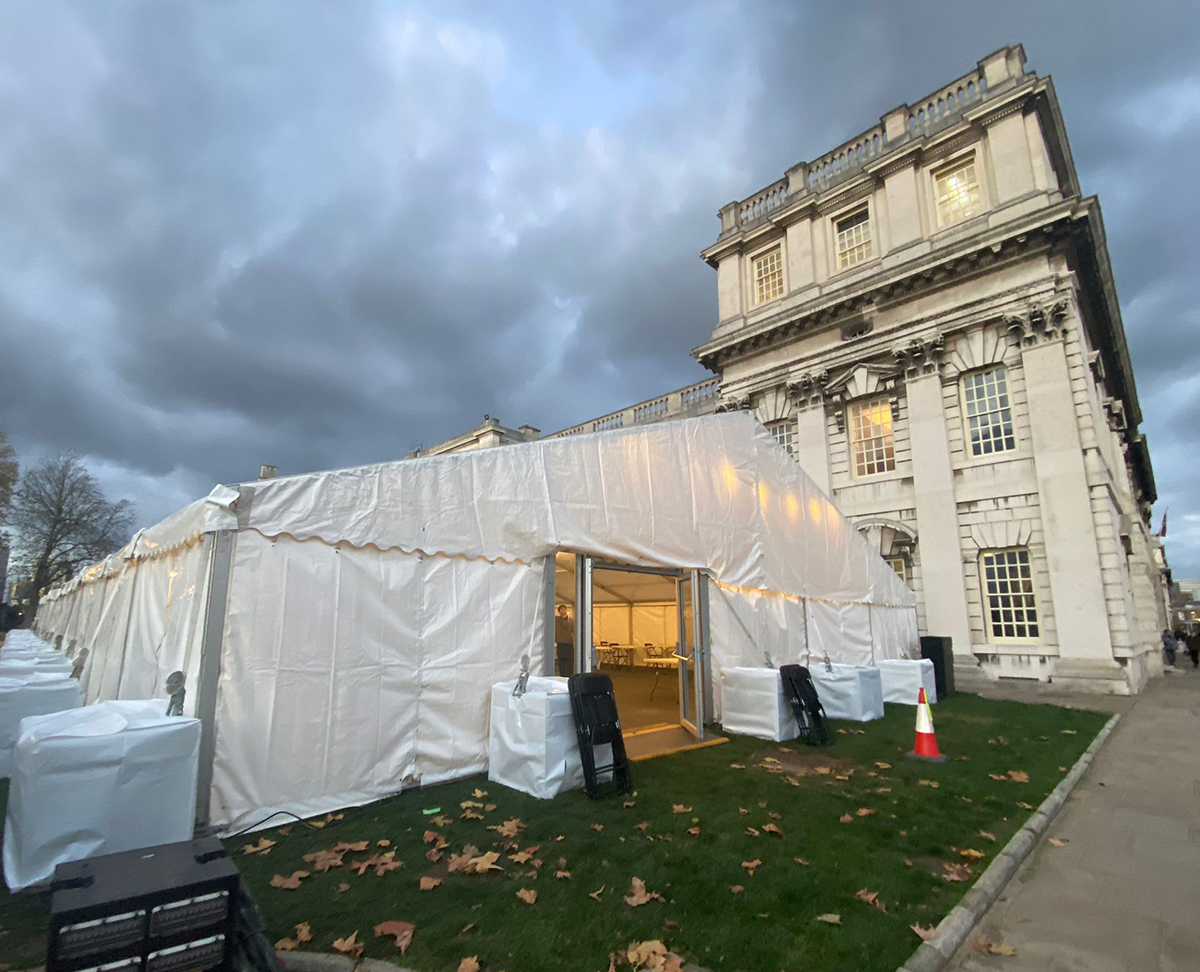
{"type": "Point", "coordinates": [957, 191]}
{"type": "Point", "coordinates": [1008, 592]}
{"type": "Point", "coordinates": [854, 238]}
{"type": "Point", "coordinates": [768, 275]}
{"type": "Point", "coordinates": [871, 437]}
{"type": "Point", "coordinates": [785, 434]}
{"type": "Point", "coordinates": [988, 412]}
{"type": "Point", "coordinates": [900, 566]}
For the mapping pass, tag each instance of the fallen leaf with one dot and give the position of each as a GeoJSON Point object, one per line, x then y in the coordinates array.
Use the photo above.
{"type": "Point", "coordinates": [1018, 776]}
{"type": "Point", "coordinates": [489, 807]}
{"type": "Point", "coordinates": [469, 964]}
{"type": "Point", "coordinates": [845, 818]}
{"type": "Point", "coordinates": [467, 928]}
{"type": "Point", "coordinates": [638, 895]}
{"type": "Point", "coordinates": [830, 919]}
{"type": "Point", "coordinates": [286, 945]}
{"type": "Point", "coordinates": [998, 776]}
{"type": "Point", "coordinates": [1024, 806]}
{"type": "Point", "coordinates": [597, 827]}
{"type": "Point", "coordinates": [800, 860]}
{"type": "Point", "coordinates": [285, 831]}
{"type": "Point", "coordinates": [931, 783]}
{"type": "Point", "coordinates": [694, 831]}
{"type": "Point", "coordinates": [478, 794]}
{"type": "Point", "coordinates": [469, 804]}
{"type": "Point", "coordinates": [429, 883]}
{"type": "Point", "coordinates": [648, 955]}
{"type": "Point", "coordinates": [350, 945]}
{"type": "Point", "coordinates": [401, 931]}
{"type": "Point", "coordinates": [1058, 842]}
{"type": "Point", "coordinates": [528, 895]}
{"type": "Point", "coordinates": [483, 863]}
{"type": "Point", "coordinates": [304, 932]}
{"type": "Point", "coordinates": [471, 815]}
{"type": "Point", "coordinates": [871, 898]}
{"type": "Point", "coordinates": [433, 837]}
{"type": "Point", "coordinates": [958, 873]}
{"type": "Point", "coordinates": [864, 812]}
{"type": "Point", "coordinates": [793, 780]}
{"type": "Point", "coordinates": [510, 828]}
{"type": "Point", "coordinates": [433, 855]}
{"type": "Point", "coordinates": [323, 860]}
{"type": "Point", "coordinates": [343, 887]}
{"type": "Point", "coordinates": [985, 947]}
{"type": "Point", "coordinates": [642, 826]}
{"type": "Point", "coordinates": [752, 866]}
{"type": "Point", "coordinates": [924, 932]}
{"type": "Point", "coordinates": [261, 847]}
{"type": "Point", "coordinates": [521, 857]}
{"type": "Point", "coordinates": [596, 894]}
{"type": "Point", "coordinates": [971, 854]}
{"type": "Point", "coordinates": [879, 764]}
{"type": "Point", "coordinates": [1069, 732]}
{"type": "Point", "coordinates": [342, 846]}
{"type": "Point", "coordinates": [752, 831]}
{"type": "Point", "coordinates": [441, 820]}
{"type": "Point", "coordinates": [883, 789]}
{"type": "Point", "coordinates": [770, 759]}
{"type": "Point", "coordinates": [291, 882]}
{"type": "Point", "coordinates": [823, 770]}
{"type": "Point", "coordinates": [680, 808]}
{"type": "Point", "coordinates": [562, 874]}
{"type": "Point", "coordinates": [987, 836]}
{"type": "Point", "coordinates": [737, 888]}
{"type": "Point", "coordinates": [771, 828]}
{"type": "Point", "coordinates": [736, 766]}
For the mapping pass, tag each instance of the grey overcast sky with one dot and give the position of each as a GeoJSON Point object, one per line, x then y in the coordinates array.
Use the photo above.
{"type": "Point", "coordinates": [320, 234]}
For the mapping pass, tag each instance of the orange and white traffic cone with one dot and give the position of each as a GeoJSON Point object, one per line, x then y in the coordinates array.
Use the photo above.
{"type": "Point", "coordinates": [926, 746]}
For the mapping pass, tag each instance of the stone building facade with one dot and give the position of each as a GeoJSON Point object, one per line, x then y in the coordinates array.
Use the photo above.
{"type": "Point", "coordinates": [926, 318]}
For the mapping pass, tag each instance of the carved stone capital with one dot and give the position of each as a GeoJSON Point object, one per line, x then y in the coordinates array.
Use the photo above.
{"type": "Point", "coordinates": [920, 356]}
{"type": "Point", "coordinates": [734, 404]}
{"type": "Point", "coordinates": [808, 391]}
{"type": "Point", "coordinates": [1039, 323]}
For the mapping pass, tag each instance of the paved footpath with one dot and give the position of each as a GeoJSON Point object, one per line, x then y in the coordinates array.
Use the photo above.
{"type": "Point", "coordinates": [1123, 894]}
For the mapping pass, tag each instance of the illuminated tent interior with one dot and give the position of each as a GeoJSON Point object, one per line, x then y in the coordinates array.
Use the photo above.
{"type": "Point", "coordinates": [339, 631]}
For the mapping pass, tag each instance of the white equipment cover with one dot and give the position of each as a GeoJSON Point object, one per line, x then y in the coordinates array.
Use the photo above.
{"type": "Point", "coordinates": [851, 692]}
{"type": "Point", "coordinates": [904, 678]}
{"type": "Point", "coordinates": [23, 638]}
{"type": "Point", "coordinates": [532, 746]}
{"type": "Point", "coordinates": [753, 704]}
{"type": "Point", "coordinates": [369, 610]}
{"type": "Point", "coordinates": [32, 694]}
{"type": "Point", "coordinates": [97, 780]}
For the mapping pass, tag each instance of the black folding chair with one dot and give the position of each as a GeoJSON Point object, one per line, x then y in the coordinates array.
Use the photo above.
{"type": "Point", "coordinates": [594, 707]}
{"type": "Point", "coordinates": [806, 704]}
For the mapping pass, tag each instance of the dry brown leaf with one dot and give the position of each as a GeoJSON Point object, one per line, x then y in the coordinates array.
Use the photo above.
{"type": "Point", "coordinates": [528, 895]}
{"type": "Point", "coordinates": [489, 807]}
{"type": "Point", "coordinates": [770, 828]}
{"type": "Point", "coordinates": [597, 827]}
{"type": "Point", "coordinates": [883, 789]}
{"type": "Point", "coordinates": [467, 928]}
{"type": "Point", "coordinates": [793, 780]}
{"type": "Point", "coordinates": [694, 831]}
{"type": "Point", "coordinates": [471, 815]}
{"type": "Point", "coordinates": [864, 812]}
{"type": "Point", "coordinates": [642, 826]}
{"type": "Point", "coordinates": [291, 882]}
{"type": "Point", "coordinates": [483, 863]}
{"type": "Point", "coordinates": [955, 872]}
{"type": "Point", "coordinates": [1024, 806]}
{"type": "Point", "coordinates": [830, 919]}
{"type": "Point", "coordinates": [442, 820]}
{"type": "Point", "coordinates": [341, 847]}
{"type": "Point", "coordinates": [521, 857]}
{"type": "Point", "coordinates": [304, 932]}
{"type": "Point", "coordinates": [599, 891]}
{"type": "Point", "coordinates": [629, 804]}
{"type": "Point", "coordinates": [924, 932]}
{"type": "Point", "coordinates": [469, 964]}
{"type": "Point", "coordinates": [823, 770]}
{"type": "Point", "coordinates": [350, 945]}
{"type": "Point", "coordinates": [478, 794]}
{"type": "Point", "coordinates": [752, 866]}
{"type": "Point", "coordinates": [429, 883]}
{"type": "Point", "coordinates": [931, 783]}
{"type": "Point", "coordinates": [998, 776]}
{"type": "Point", "coordinates": [1069, 732]}
{"type": "Point", "coordinates": [879, 764]}
{"type": "Point", "coordinates": [510, 828]}
{"type": "Point", "coordinates": [562, 874]}
{"type": "Point", "coordinates": [433, 855]}
{"type": "Point", "coordinates": [1018, 776]}
{"type": "Point", "coordinates": [680, 808]}
{"type": "Point", "coordinates": [469, 804]}
{"type": "Point", "coordinates": [871, 898]}
{"type": "Point", "coordinates": [433, 837]}
{"type": "Point", "coordinates": [800, 860]}
{"type": "Point", "coordinates": [262, 847]}
{"type": "Point", "coordinates": [323, 860]}
{"type": "Point", "coordinates": [638, 895]}
{"type": "Point", "coordinates": [737, 888]}
{"type": "Point", "coordinates": [971, 854]}
{"type": "Point", "coordinates": [285, 831]}
{"type": "Point", "coordinates": [736, 766]}
{"type": "Point", "coordinates": [343, 887]}
{"type": "Point", "coordinates": [400, 931]}
{"type": "Point", "coordinates": [1058, 842]}
{"type": "Point", "coordinates": [286, 945]}
{"type": "Point", "coordinates": [845, 818]}
{"type": "Point", "coordinates": [752, 831]}
{"type": "Point", "coordinates": [984, 947]}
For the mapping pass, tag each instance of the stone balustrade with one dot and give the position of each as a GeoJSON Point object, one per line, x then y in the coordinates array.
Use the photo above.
{"type": "Point", "coordinates": [930, 114]}
{"type": "Point", "coordinates": [846, 159]}
{"type": "Point", "coordinates": [697, 399]}
{"type": "Point", "coordinates": [763, 202]}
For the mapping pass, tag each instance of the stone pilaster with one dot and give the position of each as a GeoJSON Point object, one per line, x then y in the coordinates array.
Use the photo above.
{"type": "Point", "coordinates": [812, 444]}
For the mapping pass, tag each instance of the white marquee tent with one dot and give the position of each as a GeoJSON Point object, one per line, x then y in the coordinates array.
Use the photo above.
{"type": "Point", "coordinates": [339, 631]}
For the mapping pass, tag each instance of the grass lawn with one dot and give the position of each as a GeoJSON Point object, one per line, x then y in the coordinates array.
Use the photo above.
{"type": "Point", "coordinates": [916, 818]}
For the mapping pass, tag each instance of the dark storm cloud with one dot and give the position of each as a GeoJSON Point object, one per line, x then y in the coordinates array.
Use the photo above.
{"type": "Point", "coordinates": [318, 234]}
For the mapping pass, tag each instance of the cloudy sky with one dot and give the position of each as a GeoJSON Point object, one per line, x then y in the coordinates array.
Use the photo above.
{"type": "Point", "coordinates": [320, 234]}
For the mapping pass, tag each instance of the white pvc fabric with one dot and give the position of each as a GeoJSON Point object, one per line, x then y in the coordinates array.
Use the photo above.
{"type": "Point", "coordinates": [369, 610]}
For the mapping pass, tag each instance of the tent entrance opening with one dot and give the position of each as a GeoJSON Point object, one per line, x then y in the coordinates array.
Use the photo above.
{"type": "Point", "coordinates": [642, 634]}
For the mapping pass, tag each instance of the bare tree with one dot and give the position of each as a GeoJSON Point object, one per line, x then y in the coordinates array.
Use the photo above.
{"type": "Point", "coordinates": [63, 521]}
{"type": "Point", "coordinates": [8, 475]}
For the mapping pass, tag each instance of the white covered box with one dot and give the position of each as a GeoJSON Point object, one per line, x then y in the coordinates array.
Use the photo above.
{"type": "Point", "coordinates": [532, 745]}
{"type": "Point", "coordinates": [852, 692]}
{"type": "Point", "coordinates": [27, 665]}
{"type": "Point", "coordinates": [904, 678]}
{"type": "Point", "coordinates": [109, 777]}
{"type": "Point", "coordinates": [30, 694]}
{"type": "Point", "coordinates": [753, 704]}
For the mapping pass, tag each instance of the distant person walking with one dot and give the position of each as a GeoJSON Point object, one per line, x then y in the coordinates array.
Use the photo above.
{"type": "Point", "coordinates": [1193, 647]}
{"type": "Point", "coordinates": [1170, 646]}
